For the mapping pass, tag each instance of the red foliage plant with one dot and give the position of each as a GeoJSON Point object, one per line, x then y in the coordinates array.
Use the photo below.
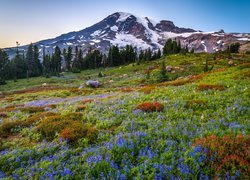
{"type": "Point", "coordinates": [128, 89]}
{"type": "Point", "coordinates": [150, 106]}
{"type": "Point", "coordinates": [3, 115]}
{"type": "Point", "coordinates": [80, 108]}
{"type": "Point", "coordinates": [227, 154]}
{"type": "Point", "coordinates": [85, 101]}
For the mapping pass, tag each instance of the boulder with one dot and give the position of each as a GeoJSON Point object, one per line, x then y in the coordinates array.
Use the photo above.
{"type": "Point", "coordinates": [169, 68]}
{"type": "Point", "coordinates": [92, 83]}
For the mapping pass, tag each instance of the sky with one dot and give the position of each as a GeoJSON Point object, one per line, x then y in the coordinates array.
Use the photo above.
{"type": "Point", "coordinates": [29, 21]}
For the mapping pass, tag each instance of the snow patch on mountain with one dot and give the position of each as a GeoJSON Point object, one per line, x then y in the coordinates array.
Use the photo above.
{"type": "Point", "coordinates": [123, 16]}
{"type": "Point", "coordinates": [69, 43]}
{"type": "Point", "coordinates": [122, 40]}
{"type": "Point", "coordinates": [96, 33]}
{"type": "Point", "coordinates": [114, 28]}
{"type": "Point", "coordinates": [154, 22]}
{"type": "Point", "coordinates": [243, 39]}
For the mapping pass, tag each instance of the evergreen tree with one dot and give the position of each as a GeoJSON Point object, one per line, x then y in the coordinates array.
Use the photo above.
{"type": "Point", "coordinates": [168, 47]}
{"type": "Point", "coordinates": [4, 60]}
{"type": "Point", "coordinates": [46, 64]}
{"type": "Point", "coordinates": [158, 56]}
{"type": "Point", "coordinates": [65, 57]}
{"type": "Point", "coordinates": [80, 59]}
{"type": "Point", "coordinates": [175, 48]}
{"type": "Point", "coordinates": [30, 60]}
{"type": "Point", "coordinates": [76, 65]}
{"type": "Point", "coordinates": [114, 56]}
{"type": "Point", "coordinates": [148, 54]}
{"type": "Point", "coordinates": [69, 58]}
{"type": "Point", "coordinates": [179, 47]}
{"type": "Point", "coordinates": [163, 72]}
{"type": "Point", "coordinates": [57, 60]}
{"type": "Point", "coordinates": [233, 48]}
{"type": "Point", "coordinates": [38, 65]}
{"type": "Point", "coordinates": [141, 56]}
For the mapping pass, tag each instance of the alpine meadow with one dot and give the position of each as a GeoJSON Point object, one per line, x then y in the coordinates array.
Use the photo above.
{"type": "Point", "coordinates": [129, 97]}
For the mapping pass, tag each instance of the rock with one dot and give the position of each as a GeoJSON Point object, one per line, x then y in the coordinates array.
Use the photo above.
{"type": "Point", "coordinates": [177, 67]}
{"type": "Point", "coordinates": [230, 63]}
{"type": "Point", "coordinates": [169, 68]}
{"type": "Point", "coordinates": [81, 86]}
{"type": "Point", "coordinates": [92, 83]}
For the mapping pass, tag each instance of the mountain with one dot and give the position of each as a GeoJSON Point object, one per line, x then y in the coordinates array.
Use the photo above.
{"type": "Point", "coordinates": [124, 28]}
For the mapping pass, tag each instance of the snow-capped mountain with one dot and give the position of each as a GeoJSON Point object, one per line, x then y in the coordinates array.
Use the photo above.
{"type": "Point", "coordinates": [124, 28]}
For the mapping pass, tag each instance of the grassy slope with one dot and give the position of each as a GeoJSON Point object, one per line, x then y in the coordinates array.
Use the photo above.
{"type": "Point", "coordinates": [112, 112]}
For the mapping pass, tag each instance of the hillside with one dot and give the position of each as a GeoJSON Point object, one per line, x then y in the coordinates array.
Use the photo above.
{"type": "Point", "coordinates": [133, 125]}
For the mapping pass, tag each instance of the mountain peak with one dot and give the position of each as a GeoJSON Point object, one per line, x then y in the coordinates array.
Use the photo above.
{"type": "Point", "coordinates": [122, 28]}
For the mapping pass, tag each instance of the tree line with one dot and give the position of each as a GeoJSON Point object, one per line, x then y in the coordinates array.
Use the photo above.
{"type": "Point", "coordinates": [29, 65]}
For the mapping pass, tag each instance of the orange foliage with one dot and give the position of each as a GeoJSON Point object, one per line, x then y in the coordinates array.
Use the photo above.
{"type": "Point", "coordinates": [128, 89]}
{"type": "Point", "coordinates": [80, 108]}
{"type": "Point", "coordinates": [85, 101]}
{"type": "Point", "coordinates": [205, 87]}
{"type": "Point", "coordinates": [147, 89]}
{"type": "Point", "coordinates": [74, 132]}
{"type": "Point", "coordinates": [3, 115]}
{"type": "Point", "coordinates": [150, 106]}
{"type": "Point", "coordinates": [227, 153]}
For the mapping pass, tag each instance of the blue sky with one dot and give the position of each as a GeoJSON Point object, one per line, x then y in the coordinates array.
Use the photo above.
{"type": "Point", "coordinates": [33, 20]}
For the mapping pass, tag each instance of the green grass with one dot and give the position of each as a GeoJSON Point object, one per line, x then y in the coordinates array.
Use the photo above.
{"type": "Point", "coordinates": [115, 127]}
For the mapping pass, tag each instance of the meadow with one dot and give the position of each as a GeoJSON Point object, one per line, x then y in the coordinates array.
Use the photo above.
{"type": "Point", "coordinates": [193, 126]}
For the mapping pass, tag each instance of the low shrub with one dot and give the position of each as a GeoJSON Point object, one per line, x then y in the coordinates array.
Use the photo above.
{"type": "Point", "coordinates": [244, 65]}
{"type": "Point", "coordinates": [205, 87]}
{"type": "Point", "coordinates": [14, 106]}
{"type": "Point", "coordinates": [37, 117]}
{"type": "Point", "coordinates": [150, 106]}
{"type": "Point", "coordinates": [147, 89]}
{"type": "Point", "coordinates": [3, 115]}
{"type": "Point", "coordinates": [52, 106]}
{"type": "Point", "coordinates": [85, 101]}
{"type": "Point", "coordinates": [7, 128]}
{"type": "Point", "coordinates": [92, 134]}
{"type": "Point", "coordinates": [227, 155]}
{"type": "Point", "coordinates": [80, 108]}
{"type": "Point", "coordinates": [127, 89]}
{"type": "Point", "coordinates": [76, 116]}
{"type": "Point", "coordinates": [67, 126]}
{"type": "Point", "coordinates": [74, 132]}
{"type": "Point", "coordinates": [52, 125]}
{"type": "Point", "coordinates": [32, 109]}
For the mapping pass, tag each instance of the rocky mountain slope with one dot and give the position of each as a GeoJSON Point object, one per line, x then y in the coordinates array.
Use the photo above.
{"type": "Point", "coordinates": [124, 28]}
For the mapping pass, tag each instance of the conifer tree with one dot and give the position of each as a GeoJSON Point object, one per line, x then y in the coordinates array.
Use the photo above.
{"type": "Point", "coordinates": [38, 66]}
{"type": "Point", "coordinates": [69, 58]}
{"type": "Point", "coordinates": [57, 60]}
{"type": "Point", "coordinates": [158, 56]}
{"type": "Point", "coordinates": [163, 72]}
{"type": "Point", "coordinates": [4, 60]}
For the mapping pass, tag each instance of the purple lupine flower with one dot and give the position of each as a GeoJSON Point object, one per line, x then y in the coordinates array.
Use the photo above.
{"type": "Point", "coordinates": [2, 175]}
